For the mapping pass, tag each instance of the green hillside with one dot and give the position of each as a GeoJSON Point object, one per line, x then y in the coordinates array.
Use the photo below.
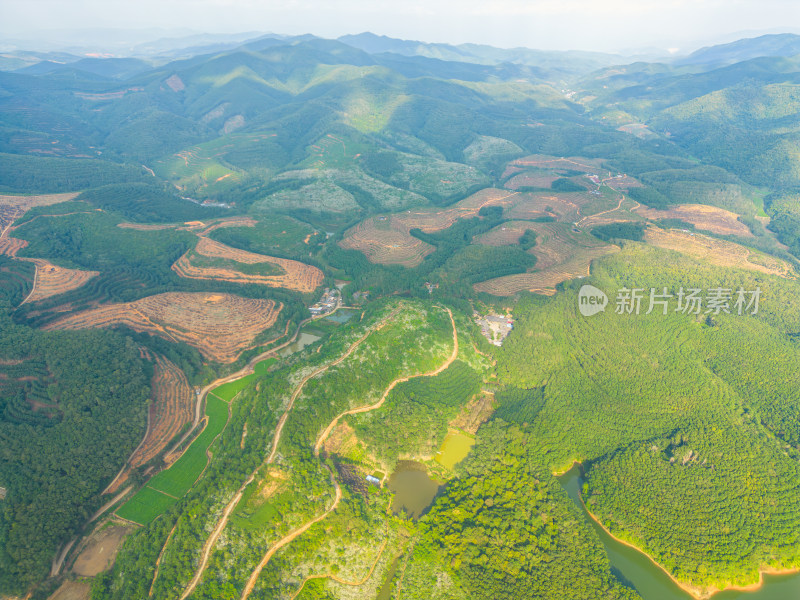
{"type": "Point", "coordinates": [381, 441]}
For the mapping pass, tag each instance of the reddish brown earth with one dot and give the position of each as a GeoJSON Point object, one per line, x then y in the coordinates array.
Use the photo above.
{"type": "Point", "coordinates": [220, 326]}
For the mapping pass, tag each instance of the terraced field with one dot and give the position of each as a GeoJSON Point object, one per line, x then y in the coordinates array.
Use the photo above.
{"type": "Point", "coordinates": [16, 280]}
{"type": "Point", "coordinates": [531, 179]}
{"type": "Point", "coordinates": [718, 252]}
{"type": "Point", "coordinates": [13, 207]}
{"type": "Point", "coordinates": [52, 280]}
{"type": "Point", "coordinates": [172, 408]}
{"type": "Point", "coordinates": [622, 183]}
{"type": "Point", "coordinates": [291, 274]}
{"type": "Point", "coordinates": [241, 221]}
{"type": "Point", "coordinates": [572, 163]}
{"type": "Point", "coordinates": [220, 326]}
{"type": "Point", "coordinates": [383, 244]}
{"type": "Point", "coordinates": [545, 281]}
{"type": "Point", "coordinates": [708, 218]}
{"type": "Point", "coordinates": [145, 226]}
{"type": "Point", "coordinates": [385, 239]}
{"type": "Point", "coordinates": [562, 206]}
{"type": "Point", "coordinates": [624, 211]}
{"type": "Point", "coordinates": [165, 488]}
{"type": "Point", "coordinates": [9, 246]}
{"type": "Point", "coordinates": [198, 227]}
{"type": "Point", "coordinates": [506, 234]}
{"type": "Point", "coordinates": [562, 254]}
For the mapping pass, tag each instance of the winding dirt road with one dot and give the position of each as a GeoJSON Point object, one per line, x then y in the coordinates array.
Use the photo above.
{"type": "Point", "coordinates": [212, 540]}
{"type": "Point", "coordinates": [254, 576]}
{"type": "Point", "coordinates": [289, 537]}
{"type": "Point", "coordinates": [248, 369]}
{"type": "Point", "coordinates": [396, 382]}
{"type": "Point", "coordinates": [605, 212]}
{"type": "Point", "coordinates": [335, 578]}
{"type": "Point", "coordinates": [279, 430]}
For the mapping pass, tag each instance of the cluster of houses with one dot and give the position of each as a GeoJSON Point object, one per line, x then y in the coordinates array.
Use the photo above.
{"type": "Point", "coordinates": [495, 328]}
{"type": "Point", "coordinates": [328, 303]}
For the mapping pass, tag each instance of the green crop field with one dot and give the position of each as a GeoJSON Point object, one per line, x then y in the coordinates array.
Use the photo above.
{"type": "Point", "coordinates": [145, 506]}
{"type": "Point", "coordinates": [177, 480]}
{"type": "Point", "coordinates": [228, 391]}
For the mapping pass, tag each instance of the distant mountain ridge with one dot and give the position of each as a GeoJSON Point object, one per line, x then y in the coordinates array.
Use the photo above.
{"type": "Point", "coordinates": [559, 62]}
{"type": "Point", "coordinates": [774, 45]}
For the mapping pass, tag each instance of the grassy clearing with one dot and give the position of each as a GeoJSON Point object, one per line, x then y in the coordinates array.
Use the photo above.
{"type": "Point", "coordinates": [255, 513]}
{"type": "Point", "coordinates": [262, 367]}
{"type": "Point", "coordinates": [202, 171]}
{"type": "Point", "coordinates": [333, 152]}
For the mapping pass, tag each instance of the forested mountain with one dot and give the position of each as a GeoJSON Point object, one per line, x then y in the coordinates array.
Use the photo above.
{"type": "Point", "coordinates": [742, 116]}
{"type": "Point", "coordinates": [255, 288]}
{"type": "Point", "coordinates": [783, 44]}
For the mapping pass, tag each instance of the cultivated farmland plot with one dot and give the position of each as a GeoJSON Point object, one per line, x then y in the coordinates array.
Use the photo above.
{"type": "Point", "coordinates": [172, 408]}
{"type": "Point", "coordinates": [544, 161]}
{"type": "Point", "coordinates": [562, 253]}
{"type": "Point", "coordinates": [708, 218]}
{"type": "Point", "coordinates": [52, 280]}
{"type": "Point", "coordinates": [220, 326]}
{"type": "Point", "coordinates": [289, 274]}
{"type": "Point", "coordinates": [718, 252]}
{"type": "Point", "coordinates": [386, 239]}
{"type": "Point", "coordinates": [163, 490]}
{"type": "Point", "coordinates": [228, 391]}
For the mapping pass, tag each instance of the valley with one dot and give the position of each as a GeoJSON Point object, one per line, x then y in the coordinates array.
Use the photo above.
{"type": "Point", "coordinates": [250, 299]}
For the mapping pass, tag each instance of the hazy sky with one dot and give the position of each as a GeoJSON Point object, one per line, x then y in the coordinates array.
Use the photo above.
{"type": "Point", "coordinates": [607, 25]}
